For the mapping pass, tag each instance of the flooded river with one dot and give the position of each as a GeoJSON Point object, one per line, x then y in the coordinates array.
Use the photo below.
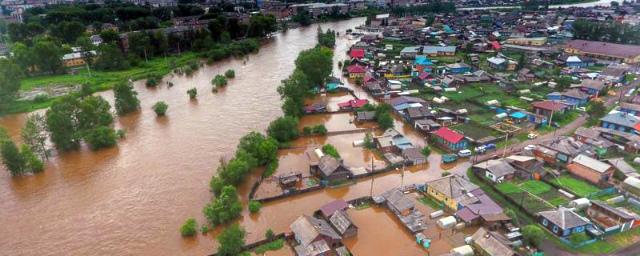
{"type": "Point", "coordinates": [132, 199]}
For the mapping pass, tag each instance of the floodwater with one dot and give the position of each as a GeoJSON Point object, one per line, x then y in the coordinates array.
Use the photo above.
{"type": "Point", "coordinates": [132, 199]}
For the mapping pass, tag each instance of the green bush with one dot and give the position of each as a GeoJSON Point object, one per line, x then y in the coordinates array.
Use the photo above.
{"type": "Point", "coordinates": [254, 206]}
{"type": "Point", "coordinates": [271, 246]}
{"type": "Point", "coordinates": [204, 229]}
{"type": "Point", "coordinates": [101, 137]}
{"type": "Point", "coordinates": [319, 129]}
{"type": "Point", "coordinates": [330, 150]}
{"type": "Point", "coordinates": [42, 97]}
{"type": "Point", "coordinates": [426, 151]}
{"type": "Point", "coordinates": [283, 129]}
{"type": "Point", "coordinates": [230, 73]}
{"type": "Point", "coordinates": [269, 235]}
{"type": "Point", "coordinates": [193, 93]}
{"type": "Point", "coordinates": [153, 81]}
{"type": "Point", "coordinates": [160, 108]}
{"type": "Point", "coordinates": [219, 81]}
{"type": "Point", "coordinates": [189, 227]}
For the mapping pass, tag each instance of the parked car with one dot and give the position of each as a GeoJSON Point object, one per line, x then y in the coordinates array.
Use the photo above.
{"type": "Point", "coordinates": [449, 158]}
{"type": "Point", "coordinates": [581, 109]}
{"type": "Point", "coordinates": [530, 147]}
{"type": "Point", "coordinates": [532, 136]}
{"type": "Point", "coordinates": [480, 149]}
{"type": "Point", "coordinates": [464, 153]}
{"type": "Point", "coordinates": [490, 146]}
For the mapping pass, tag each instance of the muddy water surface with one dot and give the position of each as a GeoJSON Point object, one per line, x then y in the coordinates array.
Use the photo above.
{"type": "Point", "coordinates": [131, 200]}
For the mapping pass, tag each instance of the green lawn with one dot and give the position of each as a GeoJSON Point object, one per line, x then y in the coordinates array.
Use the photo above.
{"type": "Point", "coordinates": [508, 188]}
{"type": "Point", "coordinates": [578, 187]}
{"type": "Point", "coordinates": [99, 80]}
{"type": "Point", "coordinates": [535, 187]}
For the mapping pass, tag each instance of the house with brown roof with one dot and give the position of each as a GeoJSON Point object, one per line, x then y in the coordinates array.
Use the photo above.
{"type": "Point", "coordinates": [491, 243]}
{"type": "Point", "coordinates": [604, 51]}
{"type": "Point", "coordinates": [609, 218]}
{"type": "Point", "coordinates": [591, 169]}
{"type": "Point", "coordinates": [495, 170]}
{"type": "Point", "coordinates": [592, 86]}
{"type": "Point", "coordinates": [548, 107]}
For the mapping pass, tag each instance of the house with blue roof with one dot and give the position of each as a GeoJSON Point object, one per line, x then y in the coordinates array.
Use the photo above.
{"type": "Point", "coordinates": [621, 121]}
{"type": "Point", "coordinates": [555, 96]}
{"type": "Point", "coordinates": [518, 117]}
{"type": "Point", "coordinates": [458, 68]}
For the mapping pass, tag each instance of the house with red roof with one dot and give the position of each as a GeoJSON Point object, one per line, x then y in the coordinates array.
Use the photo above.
{"type": "Point", "coordinates": [356, 71]}
{"type": "Point", "coordinates": [353, 104]}
{"type": "Point", "coordinates": [450, 139]}
{"type": "Point", "coordinates": [356, 53]}
{"type": "Point", "coordinates": [547, 107]}
{"type": "Point", "coordinates": [495, 45]}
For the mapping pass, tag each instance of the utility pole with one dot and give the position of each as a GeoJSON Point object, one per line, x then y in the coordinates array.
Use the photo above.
{"type": "Point", "coordinates": [371, 190]}
{"type": "Point", "coordinates": [506, 143]}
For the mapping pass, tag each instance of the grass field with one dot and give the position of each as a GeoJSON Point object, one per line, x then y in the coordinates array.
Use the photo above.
{"type": "Point", "coordinates": [99, 80]}
{"type": "Point", "coordinates": [578, 187]}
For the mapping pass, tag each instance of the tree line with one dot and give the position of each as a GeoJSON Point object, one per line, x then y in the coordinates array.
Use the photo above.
{"type": "Point", "coordinates": [71, 120]}
{"type": "Point", "coordinates": [613, 32]}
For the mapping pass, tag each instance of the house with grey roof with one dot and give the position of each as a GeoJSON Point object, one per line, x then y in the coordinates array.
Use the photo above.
{"type": "Point", "coordinates": [454, 191]}
{"type": "Point", "coordinates": [563, 222]}
{"type": "Point", "coordinates": [630, 108]}
{"type": "Point", "coordinates": [621, 121]}
{"type": "Point", "coordinates": [591, 169]}
{"type": "Point", "coordinates": [623, 167]}
{"type": "Point", "coordinates": [342, 223]}
{"type": "Point", "coordinates": [314, 236]}
{"type": "Point", "coordinates": [491, 243]}
{"type": "Point", "coordinates": [330, 169]}
{"type": "Point", "coordinates": [495, 170]}
{"type": "Point", "coordinates": [592, 86]}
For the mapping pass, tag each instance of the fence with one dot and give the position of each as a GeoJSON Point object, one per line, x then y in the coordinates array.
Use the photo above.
{"type": "Point", "coordinates": [253, 245]}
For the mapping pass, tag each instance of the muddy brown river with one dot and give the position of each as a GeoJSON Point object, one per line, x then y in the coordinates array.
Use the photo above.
{"type": "Point", "coordinates": [132, 199]}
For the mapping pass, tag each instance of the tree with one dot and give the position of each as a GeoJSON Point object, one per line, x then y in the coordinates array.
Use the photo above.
{"type": "Point", "coordinates": [330, 150]}
{"type": "Point", "coordinates": [293, 90]}
{"type": "Point", "coordinates": [563, 82]}
{"type": "Point", "coordinates": [126, 99]}
{"type": "Point", "coordinates": [231, 241]}
{"type": "Point", "coordinates": [512, 214]}
{"type": "Point", "coordinates": [263, 149]}
{"type": "Point", "coordinates": [62, 124]}
{"type": "Point", "coordinates": [533, 234]}
{"type": "Point", "coordinates": [219, 81]}
{"type": "Point", "coordinates": [189, 227]}
{"type": "Point", "coordinates": [385, 120]}
{"type": "Point", "coordinates": [368, 141]}
{"type": "Point", "coordinates": [269, 235]}
{"type": "Point", "coordinates": [12, 158]}
{"type": "Point", "coordinates": [426, 151]}
{"type": "Point", "coordinates": [10, 75]}
{"type": "Point", "coordinates": [193, 93]}
{"type": "Point", "coordinates": [160, 108]}
{"type": "Point", "coordinates": [326, 39]}
{"type": "Point", "coordinates": [34, 134]}
{"type": "Point", "coordinates": [68, 31]}
{"type": "Point", "coordinates": [111, 58]}
{"type": "Point", "coordinates": [596, 109]}
{"type": "Point", "coordinates": [101, 137]}
{"type": "Point", "coordinates": [32, 162]}
{"type": "Point", "coordinates": [283, 129]}
{"type": "Point", "coordinates": [48, 56]}
{"type": "Point", "coordinates": [224, 208]}
{"type": "Point", "coordinates": [109, 37]}
{"type": "Point", "coordinates": [92, 112]}
{"type": "Point", "coordinates": [230, 73]}
{"type": "Point", "coordinates": [254, 206]}
{"type": "Point", "coordinates": [261, 25]}
{"type": "Point", "coordinates": [316, 64]}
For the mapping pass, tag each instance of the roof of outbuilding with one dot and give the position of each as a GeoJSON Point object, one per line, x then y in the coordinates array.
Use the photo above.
{"type": "Point", "coordinates": [488, 242]}
{"type": "Point", "coordinates": [591, 163]}
{"type": "Point", "coordinates": [307, 229]}
{"type": "Point", "coordinates": [341, 221]}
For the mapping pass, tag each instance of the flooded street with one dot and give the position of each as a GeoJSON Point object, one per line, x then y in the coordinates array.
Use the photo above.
{"type": "Point", "coordinates": [132, 199]}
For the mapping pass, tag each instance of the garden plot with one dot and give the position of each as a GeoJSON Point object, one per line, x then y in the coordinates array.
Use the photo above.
{"type": "Point", "coordinates": [534, 196]}
{"type": "Point", "coordinates": [575, 186]}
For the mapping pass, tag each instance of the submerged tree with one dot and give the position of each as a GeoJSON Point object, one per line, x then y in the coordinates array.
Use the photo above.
{"type": "Point", "coordinates": [126, 98]}
{"type": "Point", "coordinates": [231, 241]}
{"type": "Point", "coordinates": [34, 134]}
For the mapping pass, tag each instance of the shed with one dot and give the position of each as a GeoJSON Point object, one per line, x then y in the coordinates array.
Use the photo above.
{"type": "Point", "coordinates": [464, 250]}
{"type": "Point", "coordinates": [447, 222]}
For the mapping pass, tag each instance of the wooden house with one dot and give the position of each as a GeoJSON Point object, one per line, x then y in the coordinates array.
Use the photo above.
{"type": "Point", "coordinates": [563, 222]}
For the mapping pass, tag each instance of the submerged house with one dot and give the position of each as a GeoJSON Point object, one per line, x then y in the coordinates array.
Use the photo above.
{"type": "Point", "coordinates": [314, 236]}
{"type": "Point", "coordinates": [330, 169]}
{"type": "Point", "coordinates": [391, 141]}
{"type": "Point", "coordinates": [453, 190]}
{"type": "Point", "coordinates": [563, 222]}
{"type": "Point", "coordinates": [342, 223]}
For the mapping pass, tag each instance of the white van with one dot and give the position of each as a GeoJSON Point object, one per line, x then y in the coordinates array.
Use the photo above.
{"type": "Point", "coordinates": [464, 153]}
